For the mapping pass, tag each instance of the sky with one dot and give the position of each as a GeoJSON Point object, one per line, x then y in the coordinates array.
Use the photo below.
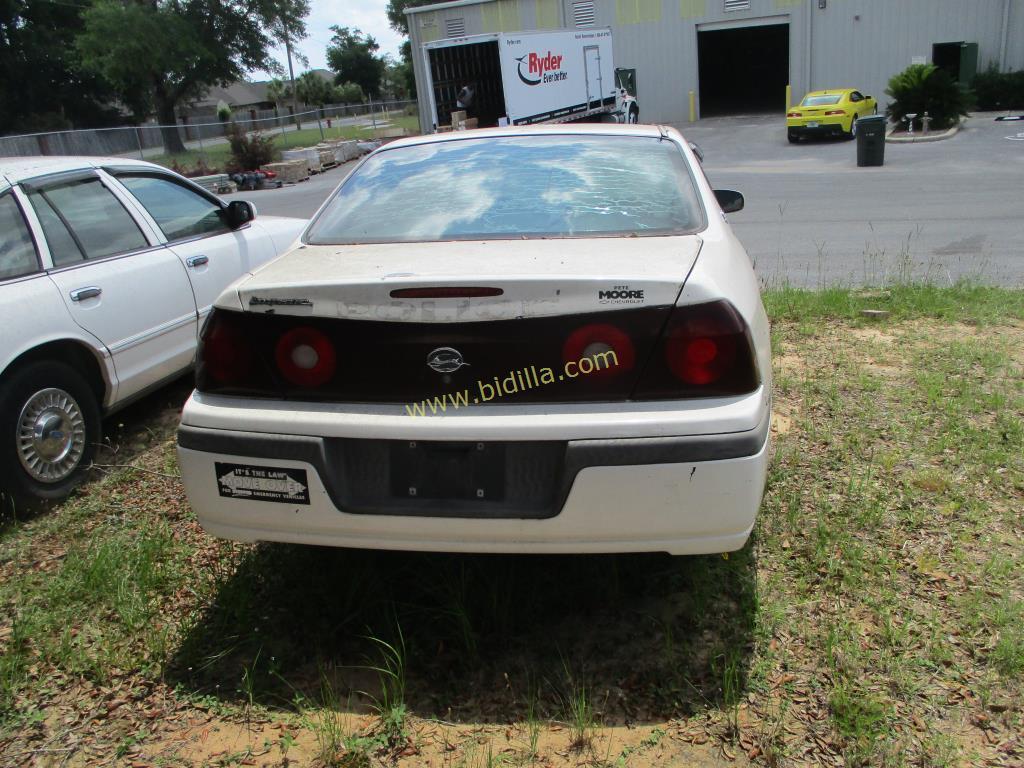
{"type": "Point", "coordinates": [367, 15]}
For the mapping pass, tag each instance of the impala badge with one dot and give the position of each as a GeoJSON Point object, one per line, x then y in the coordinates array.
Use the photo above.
{"type": "Point", "coordinates": [445, 360]}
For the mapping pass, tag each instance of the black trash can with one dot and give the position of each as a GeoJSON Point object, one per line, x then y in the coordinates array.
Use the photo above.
{"type": "Point", "coordinates": [871, 140]}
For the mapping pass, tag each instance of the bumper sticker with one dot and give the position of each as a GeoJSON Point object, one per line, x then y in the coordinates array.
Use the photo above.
{"type": "Point", "coordinates": [279, 484]}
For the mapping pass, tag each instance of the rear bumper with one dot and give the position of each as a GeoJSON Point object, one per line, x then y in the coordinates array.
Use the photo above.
{"type": "Point", "coordinates": [823, 128]}
{"type": "Point", "coordinates": [684, 494]}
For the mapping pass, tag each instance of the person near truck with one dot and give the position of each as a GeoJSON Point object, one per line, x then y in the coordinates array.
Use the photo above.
{"type": "Point", "coordinates": [465, 99]}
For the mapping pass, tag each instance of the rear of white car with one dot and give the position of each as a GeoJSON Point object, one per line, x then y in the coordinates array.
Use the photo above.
{"type": "Point", "coordinates": [521, 341]}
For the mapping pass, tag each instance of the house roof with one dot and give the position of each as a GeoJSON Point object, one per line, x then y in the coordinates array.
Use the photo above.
{"type": "Point", "coordinates": [240, 94]}
{"type": "Point", "coordinates": [244, 94]}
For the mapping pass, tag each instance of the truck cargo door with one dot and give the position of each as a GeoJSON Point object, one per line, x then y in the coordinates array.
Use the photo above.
{"type": "Point", "coordinates": [592, 69]}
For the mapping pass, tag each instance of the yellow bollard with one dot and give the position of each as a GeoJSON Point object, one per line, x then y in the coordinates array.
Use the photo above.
{"type": "Point", "coordinates": [789, 97]}
{"type": "Point", "coordinates": [693, 107]}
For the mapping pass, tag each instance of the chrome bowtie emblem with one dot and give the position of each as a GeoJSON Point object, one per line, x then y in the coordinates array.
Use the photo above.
{"type": "Point", "coordinates": [445, 360]}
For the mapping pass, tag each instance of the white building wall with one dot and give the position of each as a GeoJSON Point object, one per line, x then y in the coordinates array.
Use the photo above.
{"type": "Point", "coordinates": [848, 43]}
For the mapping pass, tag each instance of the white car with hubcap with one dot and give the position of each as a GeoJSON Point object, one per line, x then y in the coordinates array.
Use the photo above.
{"type": "Point", "coordinates": [108, 268]}
{"type": "Point", "coordinates": [506, 340]}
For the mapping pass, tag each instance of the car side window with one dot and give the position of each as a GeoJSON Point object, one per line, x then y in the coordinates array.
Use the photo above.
{"type": "Point", "coordinates": [179, 211]}
{"type": "Point", "coordinates": [17, 250]}
{"type": "Point", "coordinates": [856, 96]}
{"type": "Point", "coordinates": [82, 219]}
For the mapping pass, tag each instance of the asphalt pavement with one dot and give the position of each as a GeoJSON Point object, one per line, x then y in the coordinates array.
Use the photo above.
{"type": "Point", "coordinates": [943, 210]}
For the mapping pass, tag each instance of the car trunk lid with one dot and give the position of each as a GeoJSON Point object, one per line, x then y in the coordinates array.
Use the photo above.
{"type": "Point", "coordinates": [526, 278]}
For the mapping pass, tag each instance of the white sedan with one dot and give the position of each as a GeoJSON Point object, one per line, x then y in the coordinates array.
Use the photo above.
{"type": "Point", "coordinates": [508, 340]}
{"type": "Point", "coordinates": [108, 269]}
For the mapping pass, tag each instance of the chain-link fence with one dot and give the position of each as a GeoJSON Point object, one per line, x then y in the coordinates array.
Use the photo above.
{"type": "Point", "coordinates": [204, 137]}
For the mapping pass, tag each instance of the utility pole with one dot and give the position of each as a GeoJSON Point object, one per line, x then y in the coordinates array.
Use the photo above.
{"type": "Point", "coordinates": [291, 74]}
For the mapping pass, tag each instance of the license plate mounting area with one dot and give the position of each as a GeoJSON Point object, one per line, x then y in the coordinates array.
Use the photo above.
{"type": "Point", "coordinates": [463, 471]}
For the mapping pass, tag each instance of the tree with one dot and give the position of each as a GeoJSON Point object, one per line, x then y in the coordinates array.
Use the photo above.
{"type": "Point", "coordinates": [277, 91]}
{"type": "Point", "coordinates": [396, 13]}
{"type": "Point", "coordinates": [43, 84]}
{"type": "Point", "coordinates": [393, 84]}
{"type": "Point", "coordinates": [172, 51]}
{"type": "Point", "coordinates": [312, 89]}
{"type": "Point", "coordinates": [353, 56]}
{"type": "Point", "coordinates": [347, 93]}
{"type": "Point", "coordinates": [407, 72]}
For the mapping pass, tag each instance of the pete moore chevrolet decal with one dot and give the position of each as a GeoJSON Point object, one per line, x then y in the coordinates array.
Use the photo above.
{"type": "Point", "coordinates": [281, 484]}
{"type": "Point", "coordinates": [546, 69]}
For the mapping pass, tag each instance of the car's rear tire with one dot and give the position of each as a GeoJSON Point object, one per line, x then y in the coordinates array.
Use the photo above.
{"type": "Point", "coordinates": [793, 138]}
{"type": "Point", "coordinates": [853, 128]}
{"type": "Point", "coordinates": [49, 429]}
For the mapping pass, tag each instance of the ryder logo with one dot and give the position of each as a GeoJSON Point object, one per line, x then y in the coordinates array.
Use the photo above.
{"type": "Point", "coordinates": [541, 69]}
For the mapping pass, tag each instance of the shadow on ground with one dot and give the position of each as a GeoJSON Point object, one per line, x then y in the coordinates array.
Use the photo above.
{"type": "Point", "coordinates": [643, 637]}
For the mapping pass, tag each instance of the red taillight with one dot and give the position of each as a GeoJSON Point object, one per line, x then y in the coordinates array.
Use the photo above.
{"type": "Point", "coordinates": [704, 351]}
{"type": "Point", "coordinates": [305, 357]}
{"type": "Point", "coordinates": [609, 347]}
{"type": "Point", "coordinates": [226, 355]}
{"type": "Point", "coordinates": [699, 360]}
{"type": "Point", "coordinates": [835, 112]}
{"type": "Point", "coordinates": [794, 114]}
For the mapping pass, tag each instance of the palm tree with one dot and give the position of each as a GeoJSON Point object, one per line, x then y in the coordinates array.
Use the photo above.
{"type": "Point", "coordinates": [276, 92]}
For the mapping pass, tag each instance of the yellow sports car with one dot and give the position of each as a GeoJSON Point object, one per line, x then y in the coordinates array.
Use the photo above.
{"type": "Point", "coordinates": [834, 112]}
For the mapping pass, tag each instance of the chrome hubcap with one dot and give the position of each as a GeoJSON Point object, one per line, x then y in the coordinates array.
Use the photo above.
{"type": "Point", "coordinates": [51, 435]}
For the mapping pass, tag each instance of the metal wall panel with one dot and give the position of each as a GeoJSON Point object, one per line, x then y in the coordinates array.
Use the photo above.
{"type": "Point", "coordinates": [862, 43]}
{"type": "Point", "coordinates": [1014, 35]}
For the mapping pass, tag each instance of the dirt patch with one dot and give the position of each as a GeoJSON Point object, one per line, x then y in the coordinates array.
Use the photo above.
{"type": "Point", "coordinates": [789, 364]}
{"type": "Point", "coordinates": [874, 333]}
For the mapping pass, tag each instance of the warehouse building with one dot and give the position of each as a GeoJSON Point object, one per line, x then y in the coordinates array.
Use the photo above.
{"type": "Point", "coordinates": [738, 56]}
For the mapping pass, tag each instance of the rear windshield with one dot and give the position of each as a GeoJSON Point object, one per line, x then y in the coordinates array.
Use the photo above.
{"type": "Point", "coordinates": [820, 101]}
{"type": "Point", "coordinates": [514, 187]}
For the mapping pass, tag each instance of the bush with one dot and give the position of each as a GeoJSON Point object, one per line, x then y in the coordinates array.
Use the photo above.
{"type": "Point", "coordinates": [249, 152]}
{"type": "Point", "coordinates": [924, 88]}
{"type": "Point", "coordinates": [347, 93]}
{"type": "Point", "coordinates": [191, 171]}
{"type": "Point", "coordinates": [995, 90]}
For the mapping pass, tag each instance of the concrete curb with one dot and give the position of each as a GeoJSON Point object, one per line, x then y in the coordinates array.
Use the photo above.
{"type": "Point", "coordinates": [891, 138]}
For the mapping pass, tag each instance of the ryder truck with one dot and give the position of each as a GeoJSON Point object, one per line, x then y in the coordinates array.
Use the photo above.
{"type": "Point", "coordinates": [524, 78]}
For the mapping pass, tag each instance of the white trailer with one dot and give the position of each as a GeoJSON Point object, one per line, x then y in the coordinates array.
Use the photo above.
{"type": "Point", "coordinates": [524, 78]}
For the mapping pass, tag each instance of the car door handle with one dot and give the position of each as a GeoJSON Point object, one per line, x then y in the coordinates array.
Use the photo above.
{"type": "Point", "coordinates": [81, 294]}
{"type": "Point", "coordinates": [197, 261]}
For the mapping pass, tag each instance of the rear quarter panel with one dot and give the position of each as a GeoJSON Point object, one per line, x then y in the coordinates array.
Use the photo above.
{"type": "Point", "coordinates": [723, 270]}
{"type": "Point", "coordinates": [282, 231]}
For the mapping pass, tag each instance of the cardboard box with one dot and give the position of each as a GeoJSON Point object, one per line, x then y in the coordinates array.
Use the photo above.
{"type": "Point", "coordinates": [458, 116]}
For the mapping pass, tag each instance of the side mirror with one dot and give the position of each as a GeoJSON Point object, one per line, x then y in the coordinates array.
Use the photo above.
{"type": "Point", "coordinates": [730, 200]}
{"type": "Point", "coordinates": [239, 213]}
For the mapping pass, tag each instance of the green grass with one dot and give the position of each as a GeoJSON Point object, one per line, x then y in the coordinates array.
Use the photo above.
{"type": "Point", "coordinates": [963, 302]}
{"type": "Point", "coordinates": [216, 156]}
{"type": "Point", "coordinates": [877, 609]}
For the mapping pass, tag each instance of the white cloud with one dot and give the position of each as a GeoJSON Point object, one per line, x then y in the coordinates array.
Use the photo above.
{"type": "Point", "coordinates": [368, 15]}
